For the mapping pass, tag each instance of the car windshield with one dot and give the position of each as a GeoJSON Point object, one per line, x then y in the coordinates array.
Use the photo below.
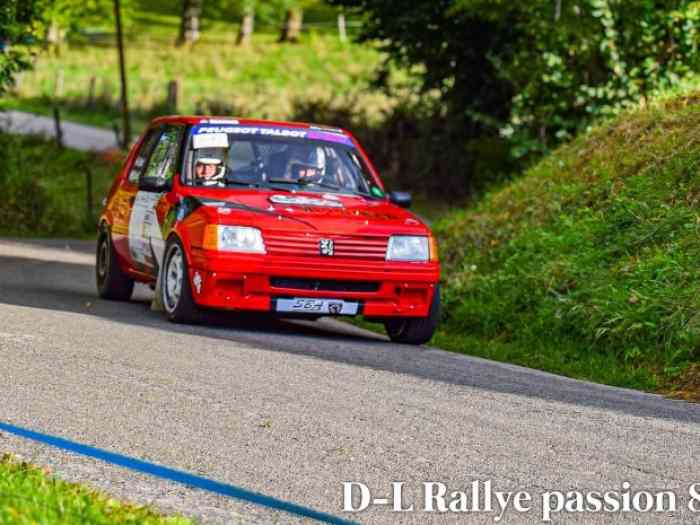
{"type": "Point", "coordinates": [284, 159]}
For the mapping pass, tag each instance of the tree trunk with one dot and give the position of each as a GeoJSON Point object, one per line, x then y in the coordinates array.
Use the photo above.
{"type": "Point", "coordinates": [292, 26]}
{"type": "Point", "coordinates": [58, 83]}
{"type": "Point", "coordinates": [189, 24]}
{"type": "Point", "coordinates": [342, 31]}
{"type": "Point", "coordinates": [55, 37]}
{"type": "Point", "coordinates": [246, 30]}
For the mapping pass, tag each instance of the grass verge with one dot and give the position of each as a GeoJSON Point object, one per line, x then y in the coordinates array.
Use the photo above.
{"type": "Point", "coordinates": [44, 187]}
{"type": "Point", "coordinates": [587, 266]}
{"type": "Point", "coordinates": [30, 495]}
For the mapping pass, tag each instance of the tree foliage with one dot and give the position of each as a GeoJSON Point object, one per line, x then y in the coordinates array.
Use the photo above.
{"type": "Point", "coordinates": [72, 14]}
{"type": "Point", "coordinates": [537, 71]}
{"type": "Point", "coordinates": [19, 22]}
{"type": "Point", "coordinates": [592, 59]}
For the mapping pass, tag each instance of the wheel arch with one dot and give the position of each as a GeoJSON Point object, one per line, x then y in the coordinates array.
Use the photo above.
{"type": "Point", "coordinates": [103, 222]}
{"type": "Point", "coordinates": [175, 234]}
{"type": "Point", "coordinates": [181, 232]}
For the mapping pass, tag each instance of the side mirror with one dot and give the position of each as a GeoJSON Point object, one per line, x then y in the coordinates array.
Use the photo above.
{"type": "Point", "coordinates": [400, 198]}
{"type": "Point", "coordinates": [154, 184]}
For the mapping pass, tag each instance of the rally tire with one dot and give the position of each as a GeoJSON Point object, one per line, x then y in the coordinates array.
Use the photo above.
{"type": "Point", "coordinates": [415, 330]}
{"type": "Point", "coordinates": [175, 289]}
{"type": "Point", "coordinates": [112, 282]}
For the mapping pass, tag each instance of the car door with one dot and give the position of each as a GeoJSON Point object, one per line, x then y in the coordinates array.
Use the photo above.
{"type": "Point", "coordinates": [146, 228]}
{"type": "Point", "coordinates": [125, 195]}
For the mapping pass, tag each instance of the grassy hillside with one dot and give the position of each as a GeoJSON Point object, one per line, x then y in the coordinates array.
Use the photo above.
{"type": "Point", "coordinates": [589, 264]}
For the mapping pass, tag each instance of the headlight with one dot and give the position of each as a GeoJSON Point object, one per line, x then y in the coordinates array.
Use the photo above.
{"type": "Point", "coordinates": [233, 239]}
{"type": "Point", "coordinates": [408, 248]}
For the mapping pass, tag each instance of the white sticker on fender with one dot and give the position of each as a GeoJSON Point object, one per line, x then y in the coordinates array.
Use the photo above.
{"type": "Point", "coordinates": [144, 230]}
{"type": "Point", "coordinates": [197, 281]}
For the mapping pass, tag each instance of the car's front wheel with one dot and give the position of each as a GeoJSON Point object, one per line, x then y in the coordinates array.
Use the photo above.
{"type": "Point", "coordinates": [112, 282]}
{"type": "Point", "coordinates": [415, 330]}
{"type": "Point", "coordinates": [175, 289]}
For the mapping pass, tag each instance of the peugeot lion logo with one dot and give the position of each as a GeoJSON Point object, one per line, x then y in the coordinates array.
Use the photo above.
{"type": "Point", "coordinates": [335, 308]}
{"type": "Point", "coordinates": [325, 246]}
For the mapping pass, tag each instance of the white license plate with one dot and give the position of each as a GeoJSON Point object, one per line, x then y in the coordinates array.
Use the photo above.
{"type": "Point", "coordinates": [317, 306]}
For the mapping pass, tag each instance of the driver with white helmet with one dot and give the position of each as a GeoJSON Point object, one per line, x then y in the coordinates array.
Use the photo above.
{"type": "Point", "coordinates": [307, 164]}
{"type": "Point", "coordinates": [209, 171]}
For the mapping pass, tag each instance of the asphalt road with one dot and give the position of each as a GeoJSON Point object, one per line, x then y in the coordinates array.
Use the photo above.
{"type": "Point", "coordinates": [293, 409]}
{"type": "Point", "coordinates": [77, 136]}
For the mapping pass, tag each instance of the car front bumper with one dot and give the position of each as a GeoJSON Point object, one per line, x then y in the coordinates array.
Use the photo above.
{"type": "Point", "coordinates": [254, 282]}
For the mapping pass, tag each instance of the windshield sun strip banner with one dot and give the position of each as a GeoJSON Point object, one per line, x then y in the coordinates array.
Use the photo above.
{"type": "Point", "coordinates": [273, 131]}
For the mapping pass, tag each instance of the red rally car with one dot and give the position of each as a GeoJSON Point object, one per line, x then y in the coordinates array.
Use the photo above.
{"type": "Point", "coordinates": [252, 215]}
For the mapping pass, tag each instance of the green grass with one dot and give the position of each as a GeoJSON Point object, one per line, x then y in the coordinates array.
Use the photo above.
{"type": "Point", "coordinates": [263, 80]}
{"type": "Point", "coordinates": [45, 189]}
{"type": "Point", "coordinates": [587, 266]}
{"type": "Point", "coordinates": [29, 495]}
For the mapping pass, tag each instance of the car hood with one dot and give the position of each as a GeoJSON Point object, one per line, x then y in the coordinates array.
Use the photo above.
{"type": "Point", "coordinates": [306, 211]}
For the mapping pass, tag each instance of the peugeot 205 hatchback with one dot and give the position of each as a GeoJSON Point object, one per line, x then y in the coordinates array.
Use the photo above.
{"type": "Point", "coordinates": [252, 215]}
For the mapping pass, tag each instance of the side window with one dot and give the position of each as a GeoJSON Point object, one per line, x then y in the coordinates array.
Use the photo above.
{"type": "Point", "coordinates": [143, 154]}
{"type": "Point", "coordinates": [163, 161]}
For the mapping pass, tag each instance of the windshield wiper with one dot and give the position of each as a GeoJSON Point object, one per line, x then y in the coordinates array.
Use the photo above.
{"type": "Point", "coordinates": [325, 185]}
{"type": "Point", "coordinates": [241, 183]}
{"type": "Point", "coordinates": [283, 181]}
{"type": "Point", "coordinates": [254, 185]}
{"type": "Point", "coordinates": [306, 183]}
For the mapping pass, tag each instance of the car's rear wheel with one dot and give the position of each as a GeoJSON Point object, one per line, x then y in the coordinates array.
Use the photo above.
{"type": "Point", "coordinates": [175, 289]}
{"type": "Point", "coordinates": [415, 330]}
{"type": "Point", "coordinates": [112, 282]}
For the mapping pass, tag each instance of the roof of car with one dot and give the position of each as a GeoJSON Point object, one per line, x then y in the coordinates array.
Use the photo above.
{"type": "Point", "coordinates": [203, 119]}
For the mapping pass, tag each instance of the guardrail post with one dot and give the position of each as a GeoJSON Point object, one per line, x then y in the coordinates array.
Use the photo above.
{"type": "Point", "coordinates": [57, 125]}
{"type": "Point", "coordinates": [173, 96]}
{"type": "Point", "coordinates": [89, 201]}
{"type": "Point", "coordinates": [118, 135]}
{"type": "Point", "coordinates": [92, 83]}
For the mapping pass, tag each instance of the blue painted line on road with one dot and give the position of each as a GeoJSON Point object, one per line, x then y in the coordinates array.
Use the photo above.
{"type": "Point", "coordinates": [177, 476]}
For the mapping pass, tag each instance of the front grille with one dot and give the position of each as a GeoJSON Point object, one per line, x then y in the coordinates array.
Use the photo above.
{"type": "Point", "coordinates": [324, 285]}
{"type": "Point", "coordinates": [307, 245]}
